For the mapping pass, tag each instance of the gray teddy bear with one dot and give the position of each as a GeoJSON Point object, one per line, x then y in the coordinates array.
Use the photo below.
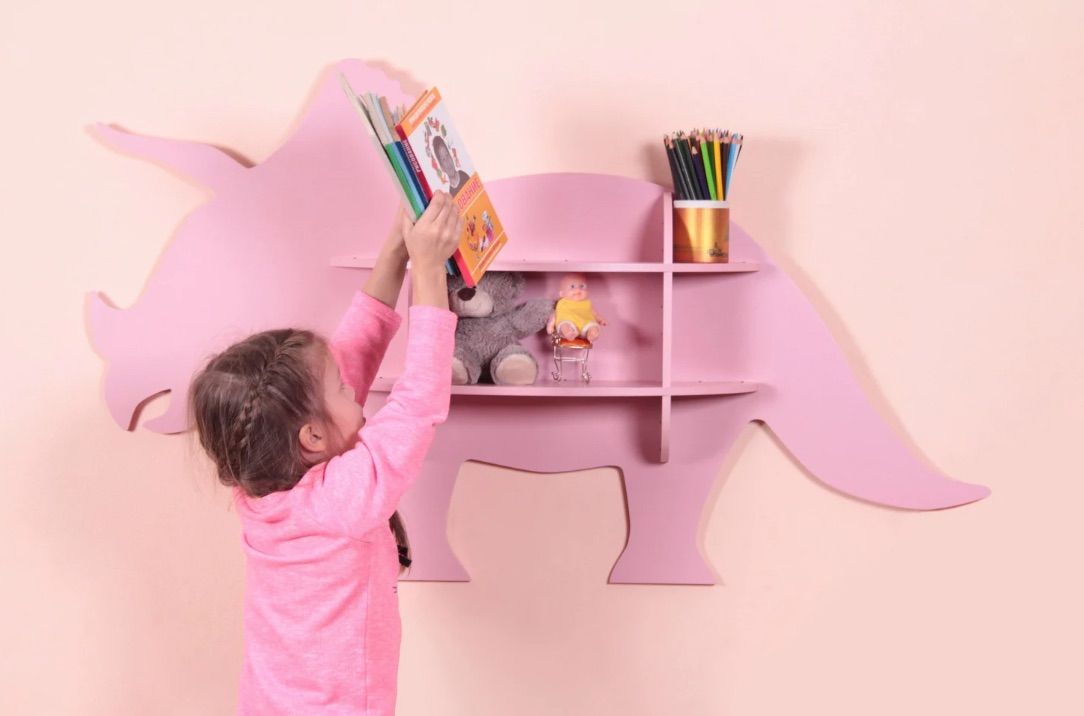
{"type": "Point", "coordinates": [492, 320]}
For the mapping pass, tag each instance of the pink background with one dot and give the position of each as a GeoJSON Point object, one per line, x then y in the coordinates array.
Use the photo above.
{"type": "Point", "coordinates": [950, 269]}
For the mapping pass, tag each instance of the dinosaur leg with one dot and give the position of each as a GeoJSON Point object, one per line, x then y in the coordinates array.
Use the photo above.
{"type": "Point", "coordinates": [666, 501]}
{"type": "Point", "coordinates": [424, 510]}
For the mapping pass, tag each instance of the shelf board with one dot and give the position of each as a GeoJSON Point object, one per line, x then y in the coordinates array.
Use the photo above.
{"type": "Point", "coordinates": [731, 267]}
{"type": "Point", "coordinates": [595, 389]}
{"type": "Point", "coordinates": [584, 266]}
{"type": "Point", "coordinates": [711, 387]}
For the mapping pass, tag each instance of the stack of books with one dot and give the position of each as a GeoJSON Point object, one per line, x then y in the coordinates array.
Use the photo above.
{"type": "Point", "coordinates": [424, 154]}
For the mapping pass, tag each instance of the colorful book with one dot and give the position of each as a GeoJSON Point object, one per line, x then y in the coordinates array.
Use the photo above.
{"type": "Point", "coordinates": [439, 159]}
{"type": "Point", "coordinates": [384, 140]}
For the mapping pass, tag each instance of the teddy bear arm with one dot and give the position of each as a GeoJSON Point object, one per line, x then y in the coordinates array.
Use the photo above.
{"type": "Point", "coordinates": [532, 317]}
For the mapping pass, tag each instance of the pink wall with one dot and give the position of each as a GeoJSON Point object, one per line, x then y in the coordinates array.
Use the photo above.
{"type": "Point", "coordinates": [950, 268]}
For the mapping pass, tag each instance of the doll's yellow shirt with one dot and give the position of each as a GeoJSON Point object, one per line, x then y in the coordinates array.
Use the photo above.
{"type": "Point", "coordinates": [580, 313]}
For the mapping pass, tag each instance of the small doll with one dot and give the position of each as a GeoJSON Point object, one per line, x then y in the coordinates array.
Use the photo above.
{"type": "Point", "coordinates": [574, 316]}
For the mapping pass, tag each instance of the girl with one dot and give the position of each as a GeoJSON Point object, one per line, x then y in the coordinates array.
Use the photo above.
{"type": "Point", "coordinates": [316, 485]}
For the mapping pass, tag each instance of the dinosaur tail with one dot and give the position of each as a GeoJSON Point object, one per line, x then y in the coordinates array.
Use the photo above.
{"type": "Point", "coordinates": [202, 163]}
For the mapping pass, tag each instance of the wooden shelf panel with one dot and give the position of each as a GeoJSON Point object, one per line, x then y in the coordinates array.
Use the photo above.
{"type": "Point", "coordinates": [594, 389]}
{"type": "Point", "coordinates": [583, 266]}
{"type": "Point", "coordinates": [546, 388]}
{"type": "Point", "coordinates": [711, 387]}
{"type": "Point", "coordinates": [732, 267]}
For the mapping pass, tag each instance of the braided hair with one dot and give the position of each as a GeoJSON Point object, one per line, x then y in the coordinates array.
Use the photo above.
{"type": "Point", "coordinates": [249, 404]}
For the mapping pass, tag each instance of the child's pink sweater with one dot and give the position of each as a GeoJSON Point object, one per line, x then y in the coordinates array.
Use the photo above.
{"type": "Point", "coordinates": [321, 609]}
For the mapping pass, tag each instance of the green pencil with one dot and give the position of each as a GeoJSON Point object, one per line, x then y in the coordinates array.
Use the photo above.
{"type": "Point", "coordinates": [698, 159]}
{"type": "Point", "coordinates": [708, 171]}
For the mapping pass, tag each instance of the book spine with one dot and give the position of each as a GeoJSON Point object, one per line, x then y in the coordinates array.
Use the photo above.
{"type": "Point", "coordinates": [420, 187]}
{"type": "Point", "coordinates": [408, 186]}
{"type": "Point", "coordinates": [464, 270]}
{"type": "Point", "coordinates": [374, 138]}
{"type": "Point", "coordinates": [409, 171]}
{"type": "Point", "coordinates": [427, 192]}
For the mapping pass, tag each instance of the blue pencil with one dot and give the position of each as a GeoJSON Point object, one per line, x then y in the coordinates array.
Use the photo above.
{"type": "Point", "coordinates": [735, 150]}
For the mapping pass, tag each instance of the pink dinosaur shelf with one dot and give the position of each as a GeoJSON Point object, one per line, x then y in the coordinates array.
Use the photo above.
{"type": "Point", "coordinates": [692, 354]}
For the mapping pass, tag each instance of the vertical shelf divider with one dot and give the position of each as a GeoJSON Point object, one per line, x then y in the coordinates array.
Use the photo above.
{"type": "Point", "coordinates": [667, 324]}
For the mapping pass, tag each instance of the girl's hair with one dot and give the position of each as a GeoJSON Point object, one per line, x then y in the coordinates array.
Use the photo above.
{"type": "Point", "coordinates": [249, 404]}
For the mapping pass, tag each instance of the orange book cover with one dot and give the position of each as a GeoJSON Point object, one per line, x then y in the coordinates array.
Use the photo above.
{"type": "Point", "coordinates": [445, 165]}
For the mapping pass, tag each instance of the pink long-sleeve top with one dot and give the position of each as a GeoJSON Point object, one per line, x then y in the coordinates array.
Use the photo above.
{"type": "Point", "coordinates": [321, 607]}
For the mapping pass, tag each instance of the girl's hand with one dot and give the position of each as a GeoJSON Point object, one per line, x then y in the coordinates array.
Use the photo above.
{"type": "Point", "coordinates": [395, 246]}
{"type": "Point", "coordinates": [435, 236]}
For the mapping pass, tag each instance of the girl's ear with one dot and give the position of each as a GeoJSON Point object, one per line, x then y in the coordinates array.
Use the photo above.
{"type": "Point", "coordinates": [312, 438]}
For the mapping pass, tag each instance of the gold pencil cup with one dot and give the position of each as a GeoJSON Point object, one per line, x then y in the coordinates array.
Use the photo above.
{"type": "Point", "coordinates": [702, 232]}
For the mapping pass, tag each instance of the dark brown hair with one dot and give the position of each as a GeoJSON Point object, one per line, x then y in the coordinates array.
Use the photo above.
{"type": "Point", "coordinates": [249, 404]}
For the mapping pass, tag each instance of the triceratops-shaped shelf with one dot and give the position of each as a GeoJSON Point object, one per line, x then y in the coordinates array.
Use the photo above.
{"type": "Point", "coordinates": [693, 352]}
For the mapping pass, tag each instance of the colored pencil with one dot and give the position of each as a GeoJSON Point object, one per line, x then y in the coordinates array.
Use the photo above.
{"type": "Point", "coordinates": [732, 161]}
{"type": "Point", "coordinates": [684, 167]}
{"type": "Point", "coordinates": [682, 171]}
{"type": "Point", "coordinates": [726, 164]}
{"type": "Point", "coordinates": [716, 155]}
{"type": "Point", "coordinates": [681, 187]}
{"type": "Point", "coordinates": [709, 173]}
{"type": "Point", "coordinates": [670, 163]}
{"type": "Point", "coordinates": [698, 168]}
{"type": "Point", "coordinates": [685, 157]}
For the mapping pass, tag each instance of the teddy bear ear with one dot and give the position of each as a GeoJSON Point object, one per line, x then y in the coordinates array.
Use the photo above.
{"type": "Point", "coordinates": [515, 281]}
{"type": "Point", "coordinates": [506, 283]}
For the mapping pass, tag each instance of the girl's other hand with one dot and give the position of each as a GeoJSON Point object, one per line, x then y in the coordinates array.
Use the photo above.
{"type": "Point", "coordinates": [395, 244]}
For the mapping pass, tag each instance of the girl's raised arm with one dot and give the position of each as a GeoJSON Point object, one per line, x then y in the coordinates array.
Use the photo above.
{"type": "Point", "coordinates": [362, 337]}
{"type": "Point", "coordinates": [361, 340]}
{"type": "Point", "coordinates": [360, 489]}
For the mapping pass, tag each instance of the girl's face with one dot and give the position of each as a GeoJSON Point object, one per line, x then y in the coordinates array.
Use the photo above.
{"type": "Point", "coordinates": [342, 408]}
